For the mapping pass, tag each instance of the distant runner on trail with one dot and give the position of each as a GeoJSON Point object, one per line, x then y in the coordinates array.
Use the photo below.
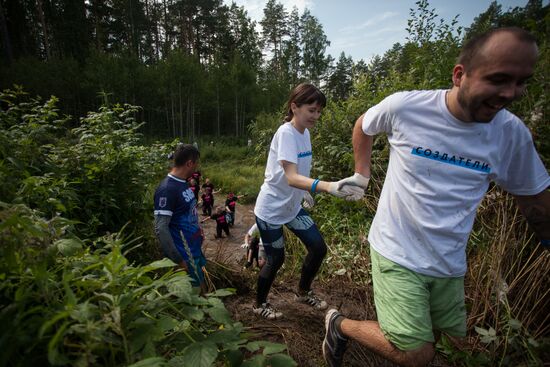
{"type": "Point", "coordinates": [207, 199]}
{"type": "Point", "coordinates": [278, 203]}
{"type": "Point", "coordinates": [194, 186]}
{"type": "Point", "coordinates": [446, 148]}
{"type": "Point", "coordinates": [208, 185]}
{"type": "Point", "coordinates": [176, 218]}
{"type": "Point", "coordinates": [230, 206]}
{"type": "Point", "coordinates": [220, 216]}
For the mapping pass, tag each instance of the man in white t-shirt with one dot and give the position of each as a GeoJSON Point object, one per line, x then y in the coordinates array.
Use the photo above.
{"type": "Point", "coordinates": [446, 146]}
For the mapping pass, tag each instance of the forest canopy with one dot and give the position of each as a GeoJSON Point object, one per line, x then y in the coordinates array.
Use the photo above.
{"type": "Point", "coordinates": [202, 67]}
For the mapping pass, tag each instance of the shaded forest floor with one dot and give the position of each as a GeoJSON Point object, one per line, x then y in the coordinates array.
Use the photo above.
{"type": "Point", "coordinates": [301, 328]}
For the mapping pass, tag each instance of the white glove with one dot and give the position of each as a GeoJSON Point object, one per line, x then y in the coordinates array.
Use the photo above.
{"type": "Point", "coordinates": [348, 192]}
{"type": "Point", "coordinates": [244, 245]}
{"type": "Point", "coordinates": [309, 201]}
{"type": "Point", "coordinates": [357, 180]}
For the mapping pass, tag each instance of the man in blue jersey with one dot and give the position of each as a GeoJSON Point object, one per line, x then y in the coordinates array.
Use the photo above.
{"type": "Point", "coordinates": [176, 218]}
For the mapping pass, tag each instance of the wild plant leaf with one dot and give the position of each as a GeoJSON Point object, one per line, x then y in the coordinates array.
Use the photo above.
{"type": "Point", "coordinates": [84, 311]}
{"type": "Point", "coordinates": [514, 324]}
{"type": "Point", "coordinates": [271, 348]}
{"type": "Point", "coordinates": [192, 313]}
{"type": "Point", "coordinates": [140, 333]}
{"type": "Point", "coordinates": [487, 336]}
{"type": "Point", "coordinates": [167, 323]}
{"type": "Point", "coordinates": [281, 360]}
{"type": "Point", "coordinates": [177, 361]}
{"type": "Point", "coordinates": [48, 324]}
{"type": "Point", "coordinates": [127, 299]}
{"type": "Point", "coordinates": [215, 302]}
{"type": "Point", "coordinates": [225, 337]}
{"type": "Point", "coordinates": [201, 354]}
{"type": "Point", "coordinates": [54, 356]}
{"type": "Point", "coordinates": [234, 357]}
{"type": "Point", "coordinates": [222, 292]}
{"type": "Point", "coordinates": [159, 264]}
{"type": "Point", "coordinates": [220, 314]}
{"type": "Point", "coordinates": [256, 361]}
{"type": "Point", "coordinates": [481, 331]}
{"type": "Point", "coordinates": [253, 346]}
{"type": "Point", "coordinates": [180, 286]}
{"type": "Point", "coordinates": [150, 362]}
{"type": "Point", "coordinates": [70, 298]}
{"type": "Point", "coordinates": [183, 325]}
{"type": "Point", "coordinates": [68, 246]}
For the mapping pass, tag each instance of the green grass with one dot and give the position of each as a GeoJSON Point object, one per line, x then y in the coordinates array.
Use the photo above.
{"type": "Point", "coordinates": [232, 169]}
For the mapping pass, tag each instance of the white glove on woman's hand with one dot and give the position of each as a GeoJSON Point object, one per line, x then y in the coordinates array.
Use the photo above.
{"type": "Point", "coordinates": [348, 192]}
{"type": "Point", "coordinates": [357, 180]}
{"type": "Point", "coordinates": [244, 245]}
{"type": "Point", "coordinates": [309, 201]}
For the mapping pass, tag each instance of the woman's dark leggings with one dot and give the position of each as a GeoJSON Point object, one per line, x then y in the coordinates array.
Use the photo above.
{"type": "Point", "coordinates": [272, 238]}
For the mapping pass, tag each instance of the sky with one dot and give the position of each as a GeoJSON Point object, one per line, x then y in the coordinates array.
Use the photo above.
{"type": "Point", "coordinates": [365, 28]}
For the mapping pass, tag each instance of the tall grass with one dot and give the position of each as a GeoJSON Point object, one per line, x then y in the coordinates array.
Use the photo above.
{"type": "Point", "coordinates": [233, 169]}
{"type": "Point", "coordinates": [507, 285]}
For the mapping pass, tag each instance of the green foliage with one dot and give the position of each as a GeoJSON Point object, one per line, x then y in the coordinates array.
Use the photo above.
{"type": "Point", "coordinates": [262, 130]}
{"type": "Point", "coordinates": [232, 168]}
{"type": "Point", "coordinates": [66, 303]}
{"type": "Point", "coordinates": [95, 174]}
{"type": "Point", "coordinates": [331, 142]}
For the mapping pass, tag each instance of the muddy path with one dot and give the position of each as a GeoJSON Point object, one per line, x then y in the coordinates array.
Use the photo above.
{"type": "Point", "coordinates": [302, 328]}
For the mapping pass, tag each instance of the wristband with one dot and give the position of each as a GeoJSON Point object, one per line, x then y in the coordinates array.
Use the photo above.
{"type": "Point", "coordinates": [314, 185]}
{"type": "Point", "coordinates": [545, 243]}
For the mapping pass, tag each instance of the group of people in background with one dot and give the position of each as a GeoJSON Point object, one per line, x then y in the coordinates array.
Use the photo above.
{"type": "Point", "coordinates": [447, 146]}
{"type": "Point", "coordinates": [177, 223]}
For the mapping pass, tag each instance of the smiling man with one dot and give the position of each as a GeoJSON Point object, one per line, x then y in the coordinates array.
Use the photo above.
{"type": "Point", "coordinates": [447, 146]}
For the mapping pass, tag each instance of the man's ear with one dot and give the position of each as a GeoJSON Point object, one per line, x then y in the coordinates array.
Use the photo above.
{"type": "Point", "coordinates": [458, 74]}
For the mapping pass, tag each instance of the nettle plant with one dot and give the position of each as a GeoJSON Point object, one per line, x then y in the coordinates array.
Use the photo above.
{"type": "Point", "coordinates": [65, 302]}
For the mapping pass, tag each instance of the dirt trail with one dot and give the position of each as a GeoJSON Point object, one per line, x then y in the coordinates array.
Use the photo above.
{"type": "Point", "coordinates": [302, 328]}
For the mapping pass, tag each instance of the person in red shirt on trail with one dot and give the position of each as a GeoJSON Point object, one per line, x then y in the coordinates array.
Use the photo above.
{"type": "Point", "coordinates": [220, 216]}
{"type": "Point", "coordinates": [207, 202]}
{"type": "Point", "coordinates": [230, 206]}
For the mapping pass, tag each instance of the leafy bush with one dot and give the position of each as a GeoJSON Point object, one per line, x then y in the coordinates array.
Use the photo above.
{"type": "Point", "coordinates": [95, 173]}
{"type": "Point", "coordinates": [64, 303]}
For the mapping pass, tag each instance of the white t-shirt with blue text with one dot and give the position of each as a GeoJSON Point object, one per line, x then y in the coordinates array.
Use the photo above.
{"type": "Point", "coordinates": [277, 202]}
{"type": "Point", "coordinates": [438, 172]}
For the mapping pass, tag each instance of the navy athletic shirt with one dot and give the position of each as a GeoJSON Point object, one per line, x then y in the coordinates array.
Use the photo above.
{"type": "Point", "coordinates": [174, 198]}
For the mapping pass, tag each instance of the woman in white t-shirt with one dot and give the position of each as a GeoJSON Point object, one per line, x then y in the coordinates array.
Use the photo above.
{"type": "Point", "coordinates": [279, 201]}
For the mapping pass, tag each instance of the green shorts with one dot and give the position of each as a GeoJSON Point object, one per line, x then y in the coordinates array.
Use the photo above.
{"type": "Point", "coordinates": [410, 306]}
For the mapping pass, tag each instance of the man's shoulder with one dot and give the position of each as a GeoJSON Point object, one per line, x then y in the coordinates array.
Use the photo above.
{"type": "Point", "coordinates": [411, 96]}
{"type": "Point", "coordinates": [169, 185]}
{"type": "Point", "coordinates": [407, 100]}
{"type": "Point", "coordinates": [510, 124]}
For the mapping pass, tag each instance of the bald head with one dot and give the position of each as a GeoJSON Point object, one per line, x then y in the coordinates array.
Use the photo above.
{"type": "Point", "coordinates": [478, 49]}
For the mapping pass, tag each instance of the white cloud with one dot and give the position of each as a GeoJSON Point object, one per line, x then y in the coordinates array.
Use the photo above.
{"type": "Point", "coordinates": [370, 22]}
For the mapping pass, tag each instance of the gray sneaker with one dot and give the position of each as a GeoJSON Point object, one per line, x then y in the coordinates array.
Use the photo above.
{"type": "Point", "coordinates": [312, 300]}
{"type": "Point", "coordinates": [334, 344]}
{"type": "Point", "coordinates": [266, 311]}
